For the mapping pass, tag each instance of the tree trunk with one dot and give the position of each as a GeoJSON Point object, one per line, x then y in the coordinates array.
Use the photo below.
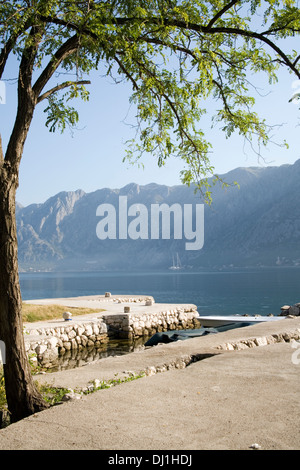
{"type": "Point", "coordinates": [22, 396]}
{"type": "Point", "coordinates": [23, 399]}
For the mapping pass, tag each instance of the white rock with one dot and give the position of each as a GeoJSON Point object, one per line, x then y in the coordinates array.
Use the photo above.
{"type": "Point", "coordinates": [270, 339]}
{"type": "Point", "coordinates": [71, 396]}
{"type": "Point", "coordinates": [67, 316]}
{"type": "Point", "coordinates": [96, 329]}
{"type": "Point", "coordinates": [240, 346]}
{"type": "Point", "coordinates": [40, 349]}
{"type": "Point", "coordinates": [80, 330]}
{"type": "Point", "coordinates": [262, 341]}
{"type": "Point", "coordinates": [103, 328]}
{"type": "Point", "coordinates": [71, 334]}
{"type": "Point", "coordinates": [255, 446]}
{"type": "Point", "coordinates": [97, 383]}
{"type": "Point", "coordinates": [64, 337]}
{"type": "Point", "coordinates": [52, 342]}
{"type": "Point", "coordinates": [78, 339]}
{"type": "Point", "coordinates": [88, 330]}
{"type": "Point", "coordinates": [150, 371]}
{"type": "Point", "coordinates": [32, 332]}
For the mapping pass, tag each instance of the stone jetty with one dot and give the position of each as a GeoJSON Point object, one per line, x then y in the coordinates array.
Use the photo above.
{"type": "Point", "coordinates": [126, 317]}
{"type": "Point", "coordinates": [120, 316]}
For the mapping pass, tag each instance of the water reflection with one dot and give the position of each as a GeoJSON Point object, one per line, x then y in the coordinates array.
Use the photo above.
{"type": "Point", "coordinates": [75, 358]}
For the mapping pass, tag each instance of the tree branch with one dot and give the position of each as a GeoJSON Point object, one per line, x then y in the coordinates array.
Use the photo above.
{"type": "Point", "coordinates": [125, 71]}
{"type": "Point", "coordinates": [172, 105]}
{"type": "Point", "coordinates": [5, 51]}
{"type": "Point", "coordinates": [296, 60]}
{"type": "Point", "coordinates": [68, 48]}
{"type": "Point", "coordinates": [221, 12]}
{"type": "Point", "coordinates": [239, 32]}
{"type": "Point", "coordinates": [60, 87]}
{"type": "Point", "coordinates": [221, 91]}
{"type": "Point", "coordinates": [185, 26]}
{"type": "Point", "coordinates": [190, 52]}
{"type": "Point", "coordinates": [26, 101]}
{"type": "Point", "coordinates": [28, 59]}
{"type": "Point", "coordinates": [68, 24]}
{"type": "Point", "coordinates": [7, 48]}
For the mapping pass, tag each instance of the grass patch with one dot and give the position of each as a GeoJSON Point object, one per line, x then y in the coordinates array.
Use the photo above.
{"type": "Point", "coordinates": [96, 384]}
{"type": "Point", "coordinates": [52, 395]}
{"type": "Point", "coordinates": [33, 313]}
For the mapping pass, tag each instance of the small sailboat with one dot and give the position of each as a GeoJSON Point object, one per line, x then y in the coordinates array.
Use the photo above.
{"type": "Point", "coordinates": [177, 265]}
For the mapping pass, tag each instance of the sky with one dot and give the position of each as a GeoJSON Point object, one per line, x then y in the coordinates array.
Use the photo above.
{"type": "Point", "coordinates": [90, 157]}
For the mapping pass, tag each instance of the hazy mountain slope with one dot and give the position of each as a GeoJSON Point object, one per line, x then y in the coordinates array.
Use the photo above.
{"type": "Point", "coordinates": [258, 224]}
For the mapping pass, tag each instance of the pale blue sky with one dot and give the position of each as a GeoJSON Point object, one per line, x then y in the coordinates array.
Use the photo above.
{"type": "Point", "coordinates": [91, 158]}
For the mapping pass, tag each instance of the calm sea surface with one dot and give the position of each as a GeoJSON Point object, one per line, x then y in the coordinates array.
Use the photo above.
{"type": "Point", "coordinates": [261, 291]}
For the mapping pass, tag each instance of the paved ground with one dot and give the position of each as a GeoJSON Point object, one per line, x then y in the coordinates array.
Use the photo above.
{"type": "Point", "coordinates": [229, 400]}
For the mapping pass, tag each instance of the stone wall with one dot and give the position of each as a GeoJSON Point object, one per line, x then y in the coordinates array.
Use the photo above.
{"type": "Point", "coordinates": [47, 344]}
{"type": "Point", "coordinates": [132, 325]}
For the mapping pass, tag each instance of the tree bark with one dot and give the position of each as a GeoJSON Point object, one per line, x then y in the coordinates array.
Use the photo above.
{"type": "Point", "coordinates": [23, 399]}
{"type": "Point", "coordinates": [22, 396]}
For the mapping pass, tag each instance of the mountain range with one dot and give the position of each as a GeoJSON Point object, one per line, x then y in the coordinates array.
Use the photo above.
{"type": "Point", "coordinates": [254, 224]}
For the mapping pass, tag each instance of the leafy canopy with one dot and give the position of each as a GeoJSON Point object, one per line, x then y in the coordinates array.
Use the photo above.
{"type": "Point", "coordinates": [175, 54]}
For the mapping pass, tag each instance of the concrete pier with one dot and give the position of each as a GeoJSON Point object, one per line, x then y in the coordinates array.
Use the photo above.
{"type": "Point", "coordinates": [124, 316]}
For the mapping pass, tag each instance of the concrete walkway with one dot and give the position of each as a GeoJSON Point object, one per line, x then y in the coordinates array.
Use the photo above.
{"type": "Point", "coordinates": [227, 400]}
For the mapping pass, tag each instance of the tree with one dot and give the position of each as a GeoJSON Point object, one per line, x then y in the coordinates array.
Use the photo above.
{"type": "Point", "coordinates": [176, 54]}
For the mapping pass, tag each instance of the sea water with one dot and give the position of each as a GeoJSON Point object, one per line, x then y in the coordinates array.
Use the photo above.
{"type": "Point", "coordinates": [227, 292]}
